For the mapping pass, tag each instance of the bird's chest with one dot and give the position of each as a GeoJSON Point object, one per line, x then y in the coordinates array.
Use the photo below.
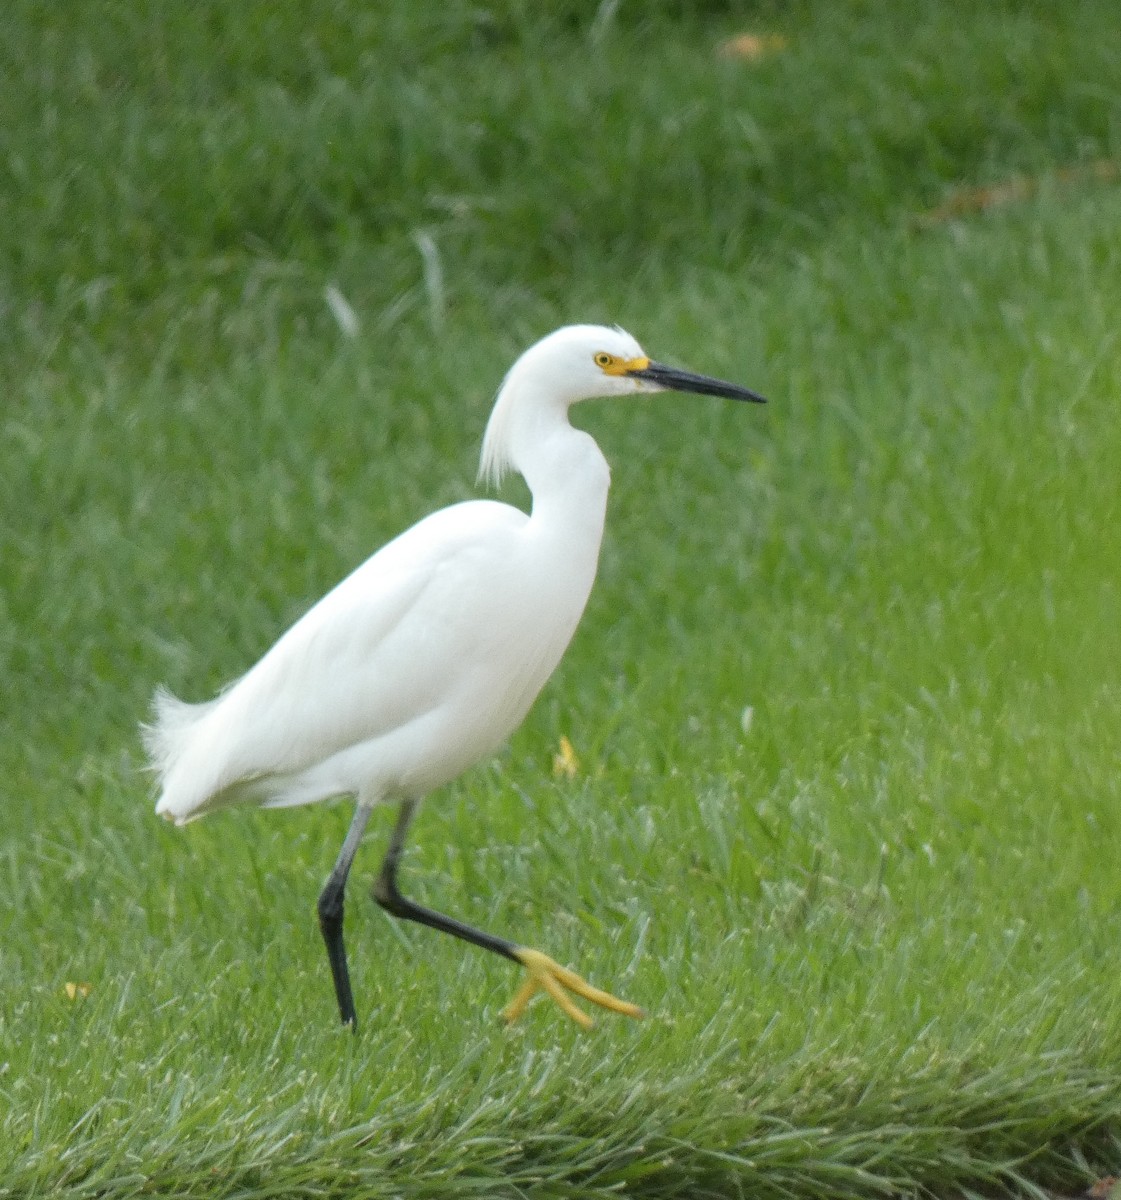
{"type": "Point", "coordinates": [527, 617]}
{"type": "Point", "coordinates": [480, 665]}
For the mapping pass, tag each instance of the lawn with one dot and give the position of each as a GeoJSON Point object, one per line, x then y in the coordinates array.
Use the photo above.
{"type": "Point", "coordinates": [845, 798]}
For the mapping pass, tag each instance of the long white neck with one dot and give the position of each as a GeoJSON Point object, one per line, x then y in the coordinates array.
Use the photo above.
{"type": "Point", "coordinates": [568, 476]}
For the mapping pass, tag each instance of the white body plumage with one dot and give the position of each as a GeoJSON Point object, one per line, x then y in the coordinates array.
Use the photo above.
{"type": "Point", "coordinates": [418, 664]}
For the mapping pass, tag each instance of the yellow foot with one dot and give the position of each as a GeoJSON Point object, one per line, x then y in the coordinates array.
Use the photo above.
{"type": "Point", "coordinates": [542, 974]}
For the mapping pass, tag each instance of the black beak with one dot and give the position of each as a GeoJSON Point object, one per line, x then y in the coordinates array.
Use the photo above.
{"type": "Point", "coordinates": [685, 381]}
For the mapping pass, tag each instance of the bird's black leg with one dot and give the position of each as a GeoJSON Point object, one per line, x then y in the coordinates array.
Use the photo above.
{"type": "Point", "coordinates": [331, 916]}
{"type": "Point", "coordinates": [542, 974]}
{"type": "Point", "coordinates": [385, 892]}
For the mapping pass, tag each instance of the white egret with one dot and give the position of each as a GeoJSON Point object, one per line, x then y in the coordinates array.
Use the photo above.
{"type": "Point", "coordinates": [429, 655]}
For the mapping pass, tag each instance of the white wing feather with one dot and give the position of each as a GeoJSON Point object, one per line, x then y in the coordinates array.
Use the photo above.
{"type": "Point", "coordinates": [368, 659]}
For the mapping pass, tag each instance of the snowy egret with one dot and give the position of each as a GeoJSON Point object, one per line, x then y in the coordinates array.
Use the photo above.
{"type": "Point", "coordinates": [428, 656]}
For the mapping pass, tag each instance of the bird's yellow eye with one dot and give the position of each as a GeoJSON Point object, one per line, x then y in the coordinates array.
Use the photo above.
{"type": "Point", "coordinates": [604, 360]}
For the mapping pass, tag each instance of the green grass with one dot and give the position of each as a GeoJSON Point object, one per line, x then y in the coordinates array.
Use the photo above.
{"type": "Point", "coordinates": [878, 933]}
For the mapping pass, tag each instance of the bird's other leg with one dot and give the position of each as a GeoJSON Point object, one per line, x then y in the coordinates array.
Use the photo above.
{"type": "Point", "coordinates": [331, 915]}
{"type": "Point", "coordinates": [386, 893]}
{"type": "Point", "coordinates": [542, 974]}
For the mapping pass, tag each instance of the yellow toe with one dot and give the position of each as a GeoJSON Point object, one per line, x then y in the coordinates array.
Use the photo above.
{"type": "Point", "coordinates": [523, 996]}
{"type": "Point", "coordinates": [543, 974]}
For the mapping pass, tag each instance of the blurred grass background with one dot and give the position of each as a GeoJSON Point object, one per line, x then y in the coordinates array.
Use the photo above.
{"type": "Point", "coordinates": [163, 154]}
{"type": "Point", "coordinates": [877, 933]}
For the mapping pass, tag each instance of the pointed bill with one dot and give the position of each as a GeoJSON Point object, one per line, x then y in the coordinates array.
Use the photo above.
{"type": "Point", "coordinates": [675, 380]}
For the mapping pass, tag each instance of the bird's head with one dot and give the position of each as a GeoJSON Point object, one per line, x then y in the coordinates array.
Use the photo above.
{"type": "Point", "coordinates": [583, 362]}
{"type": "Point", "coordinates": [578, 362]}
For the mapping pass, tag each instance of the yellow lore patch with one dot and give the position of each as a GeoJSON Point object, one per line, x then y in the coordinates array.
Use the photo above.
{"type": "Point", "coordinates": [612, 364]}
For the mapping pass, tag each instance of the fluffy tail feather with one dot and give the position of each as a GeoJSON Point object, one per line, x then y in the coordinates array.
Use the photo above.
{"type": "Point", "coordinates": [167, 738]}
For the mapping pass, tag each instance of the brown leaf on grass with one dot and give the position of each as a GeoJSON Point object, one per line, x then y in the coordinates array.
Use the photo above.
{"type": "Point", "coordinates": [565, 761]}
{"type": "Point", "coordinates": [1106, 1188]}
{"type": "Point", "coordinates": [968, 200]}
{"type": "Point", "coordinates": [751, 47]}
